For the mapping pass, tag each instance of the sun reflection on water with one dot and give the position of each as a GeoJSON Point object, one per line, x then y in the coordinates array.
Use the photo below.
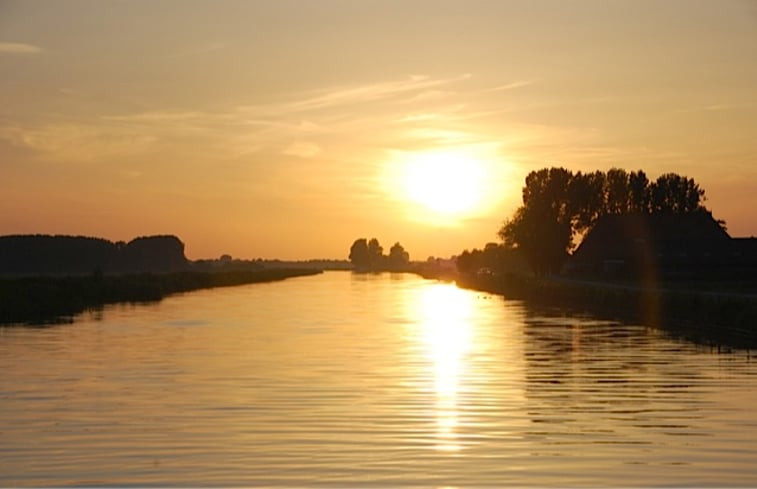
{"type": "Point", "coordinates": [445, 315]}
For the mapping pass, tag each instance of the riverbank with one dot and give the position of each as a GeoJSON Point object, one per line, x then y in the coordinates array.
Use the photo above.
{"type": "Point", "coordinates": [708, 316]}
{"type": "Point", "coordinates": [43, 299]}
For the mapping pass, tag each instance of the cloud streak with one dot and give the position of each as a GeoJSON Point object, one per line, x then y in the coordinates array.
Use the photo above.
{"type": "Point", "coordinates": [323, 123]}
{"type": "Point", "coordinates": [77, 142]}
{"type": "Point", "coordinates": [372, 92]}
{"type": "Point", "coordinates": [19, 48]}
{"type": "Point", "coordinates": [512, 86]}
{"type": "Point", "coordinates": [302, 149]}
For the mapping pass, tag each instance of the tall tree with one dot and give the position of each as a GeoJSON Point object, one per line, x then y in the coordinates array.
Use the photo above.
{"type": "Point", "coordinates": [359, 253]}
{"type": "Point", "coordinates": [675, 194]}
{"type": "Point", "coordinates": [543, 240]}
{"type": "Point", "coordinates": [558, 206]}
{"type": "Point", "coordinates": [617, 191]}
{"type": "Point", "coordinates": [587, 199]}
{"type": "Point", "coordinates": [543, 226]}
{"type": "Point", "coordinates": [375, 254]}
{"type": "Point", "coordinates": [398, 258]}
{"type": "Point", "coordinates": [638, 188]}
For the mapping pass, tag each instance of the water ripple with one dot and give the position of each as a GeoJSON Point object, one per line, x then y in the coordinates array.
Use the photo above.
{"type": "Point", "coordinates": [345, 380]}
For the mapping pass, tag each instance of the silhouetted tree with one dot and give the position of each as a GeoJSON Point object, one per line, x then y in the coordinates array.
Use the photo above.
{"type": "Point", "coordinates": [638, 189]}
{"type": "Point", "coordinates": [367, 255]}
{"type": "Point", "coordinates": [544, 239]}
{"type": "Point", "coordinates": [375, 253]}
{"type": "Point", "coordinates": [587, 199]}
{"type": "Point", "coordinates": [43, 254]}
{"type": "Point", "coordinates": [494, 258]}
{"type": "Point", "coordinates": [617, 192]}
{"type": "Point", "coordinates": [675, 194]}
{"type": "Point", "coordinates": [559, 205]}
{"type": "Point", "coordinates": [464, 262]}
{"type": "Point", "coordinates": [153, 254]}
{"type": "Point", "coordinates": [398, 258]}
{"type": "Point", "coordinates": [543, 227]}
{"type": "Point", "coordinates": [359, 253]}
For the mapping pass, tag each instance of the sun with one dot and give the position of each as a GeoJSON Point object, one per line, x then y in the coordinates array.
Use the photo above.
{"type": "Point", "coordinates": [446, 187]}
{"type": "Point", "coordinates": [441, 186]}
{"type": "Point", "coordinates": [446, 183]}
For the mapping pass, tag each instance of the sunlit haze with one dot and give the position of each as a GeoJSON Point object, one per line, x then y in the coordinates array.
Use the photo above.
{"type": "Point", "coordinates": [287, 129]}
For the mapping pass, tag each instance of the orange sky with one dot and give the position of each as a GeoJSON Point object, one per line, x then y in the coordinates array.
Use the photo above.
{"type": "Point", "coordinates": [289, 128]}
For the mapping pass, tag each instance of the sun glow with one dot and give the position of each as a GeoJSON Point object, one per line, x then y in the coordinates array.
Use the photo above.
{"type": "Point", "coordinates": [443, 186]}
{"type": "Point", "coordinates": [444, 182]}
{"type": "Point", "coordinates": [447, 331]}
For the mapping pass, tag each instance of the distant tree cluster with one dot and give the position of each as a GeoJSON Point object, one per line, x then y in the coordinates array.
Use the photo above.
{"type": "Point", "coordinates": [44, 254]}
{"type": "Point", "coordinates": [369, 255]}
{"type": "Point", "coordinates": [495, 258]}
{"type": "Point", "coordinates": [559, 205]}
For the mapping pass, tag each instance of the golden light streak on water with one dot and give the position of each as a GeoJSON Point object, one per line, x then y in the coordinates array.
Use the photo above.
{"type": "Point", "coordinates": [350, 380]}
{"type": "Point", "coordinates": [444, 312]}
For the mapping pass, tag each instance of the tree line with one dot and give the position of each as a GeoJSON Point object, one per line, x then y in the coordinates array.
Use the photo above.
{"type": "Point", "coordinates": [45, 254]}
{"type": "Point", "coordinates": [369, 255]}
{"type": "Point", "coordinates": [560, 205]}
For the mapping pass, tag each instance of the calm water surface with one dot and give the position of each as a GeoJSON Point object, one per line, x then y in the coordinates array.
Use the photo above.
{"type": "Point", "coordinates": [367, 380]}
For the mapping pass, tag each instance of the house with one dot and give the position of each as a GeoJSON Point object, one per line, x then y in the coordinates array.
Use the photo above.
{"type": "Point", "coordinates": [742, 261]}
{"type": "Point", "coordinates": [669, 246]}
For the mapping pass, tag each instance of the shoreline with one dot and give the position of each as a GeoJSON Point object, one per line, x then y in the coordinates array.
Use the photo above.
{"type": "Point", "coordinates": [38, 300]}
{"type": "Point", "coordinates": [715, 318]}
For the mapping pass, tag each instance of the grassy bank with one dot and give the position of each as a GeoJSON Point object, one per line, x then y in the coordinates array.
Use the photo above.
{"type": "Point", "coordinates": [47, 299]}
{"type": "Point", "coordinates": [704, 315]}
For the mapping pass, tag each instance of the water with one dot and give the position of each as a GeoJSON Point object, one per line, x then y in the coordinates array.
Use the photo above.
{"type": "Point", "coordinates": [343, 380]}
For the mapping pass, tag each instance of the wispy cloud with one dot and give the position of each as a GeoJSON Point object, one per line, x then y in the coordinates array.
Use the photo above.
{"type": "Point", "coordinates": [420, 117]}
{"type": "Point", "coordinates": [447, 115]}
{"type": "Point", "coordinates": [157, 117]}
{"type": "Point", "coordinates": [512, 85]}
{"type": "Point", "coordinates": [372, 92]}
{"type": "Point", "coordinates": [717, 107]}
{"type": "Point", "coordinates": [19, 48]}
{"type": "Point", "coordinates": [77, 142]}
{"type": "Point", "coordinates": [315, 124]}
{"type": "Point", "coordinates": [302, 149]}
{"type": "Point", "coordinates": [434, 137]}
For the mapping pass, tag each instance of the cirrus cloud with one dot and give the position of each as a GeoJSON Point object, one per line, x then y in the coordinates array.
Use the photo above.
{"type": "Point", "coordinates": [19, 48]}
{"type": "Point", "coordinates": [302, 150]}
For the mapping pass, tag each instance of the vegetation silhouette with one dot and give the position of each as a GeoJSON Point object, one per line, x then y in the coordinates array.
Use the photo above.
{"type": "Point", "coordinates": [45, 278]}
{"type": "Point", "coordinates": [50, 299]}
{"type": "Point", "coordinates": [494, 258]}
{"type": "Point", "coordinates": [649, 252]}
{"type": "Point", "coordinates": [398, 258]}
{"type": "Point", "coordinates": [559, 205]}
{"type": "Point", "coordinates": [67, 255]}
{"type": "Point", "coordinates": [368, 256]}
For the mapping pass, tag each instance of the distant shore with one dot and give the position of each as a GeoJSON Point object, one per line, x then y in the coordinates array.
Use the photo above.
{"type": "Point", "coordinates": [49, 299]}
{"type": "Point", "coordinates": [705, 315]}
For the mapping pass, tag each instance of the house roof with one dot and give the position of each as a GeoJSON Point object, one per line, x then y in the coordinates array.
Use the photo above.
{"type": "Point", "coordinates": [620, 235]}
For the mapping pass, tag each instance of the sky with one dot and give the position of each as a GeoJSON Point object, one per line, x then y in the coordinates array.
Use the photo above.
{"type": "Point", "coordinates": [288, 129]}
